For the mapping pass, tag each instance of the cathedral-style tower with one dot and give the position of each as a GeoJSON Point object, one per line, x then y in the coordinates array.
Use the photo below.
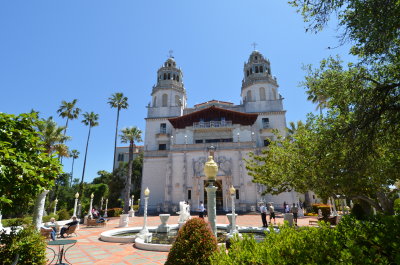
{"type": "Point", "coordinates": [168, 101]}
{"type": "Point", "coordinates": [169, 94]}
{"type": "Point", "coordinates": [259, 88]}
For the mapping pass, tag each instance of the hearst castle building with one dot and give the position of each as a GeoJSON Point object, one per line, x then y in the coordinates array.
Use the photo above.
{"type": "Point", "coordinates": [178, 139]}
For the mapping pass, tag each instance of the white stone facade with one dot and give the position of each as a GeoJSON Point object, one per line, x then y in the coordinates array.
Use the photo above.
{"type": "Point", "coordinates": [174, 154]}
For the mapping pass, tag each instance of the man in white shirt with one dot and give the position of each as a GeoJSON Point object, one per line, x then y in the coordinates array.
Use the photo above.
{"type": "Point", "coordinates": [263, 211]}
{"type": "Point", "coordinates": [201, 210]}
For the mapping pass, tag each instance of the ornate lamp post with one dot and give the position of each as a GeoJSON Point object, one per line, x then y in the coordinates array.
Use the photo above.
{"type": "Point", "coordinates": [76, 203]}
{"type": "Point", "coordinates": [211, 170]}
{"type": "Point", "coordinates": [91, 205]}
{"type": "Point", "coordinates": [144, 233]}
{"type": "Point", "coordinates": [233, 231]}
{"type": "Point", "coordinates": [105, 209]}
{"type": "Point", "coordinates": [131, 211]}
{"type": "Point", "coordinates": [55, 206]}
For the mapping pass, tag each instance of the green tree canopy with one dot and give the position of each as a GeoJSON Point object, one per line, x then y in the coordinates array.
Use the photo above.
{"type": "Point", "coordinates": [25, 167]}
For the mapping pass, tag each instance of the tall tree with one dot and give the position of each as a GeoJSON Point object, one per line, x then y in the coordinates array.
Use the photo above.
{"type": "Point", "coordinates": [53, 137]}
{"type": "Point", "coordinates": [75, 155]}
{"type": "Point", "coordinates": [118, 101]}
{"type": "Point", "coordinates": [129, 135]}
{"type": "Point", "coordinates": [69, 111]}
{"type": "Point", "coordinates": [91, 120]}
{"type": "Point", "coordinates": [25, 168]}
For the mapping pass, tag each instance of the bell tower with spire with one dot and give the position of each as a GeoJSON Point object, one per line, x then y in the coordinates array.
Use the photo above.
{"type": "Point", "coordinates": [169, 94]}
{"type": "Point", "coordinates": [259, 88]}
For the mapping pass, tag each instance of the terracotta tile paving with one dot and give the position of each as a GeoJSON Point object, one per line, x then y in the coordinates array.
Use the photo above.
{"type": "Point", "coordinates": [90, 250]}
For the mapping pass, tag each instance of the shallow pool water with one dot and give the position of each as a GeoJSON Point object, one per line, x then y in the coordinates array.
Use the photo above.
{"type": "Point", "coordinates": [169, 238]}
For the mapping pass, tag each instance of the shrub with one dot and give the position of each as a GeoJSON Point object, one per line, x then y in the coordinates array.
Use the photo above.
{"type": "Point", "coordinates": [17, 221]}
{"type": "Point", "coordinates": [194, 244]}
{"type": "Point", "coordinates": [113, 212]}
{"type": "Point", "coordinates": [63, 214]}
{"type": "Point", "coordinates": [48, 217]}
{"type": "Point", "coordinates": [306, 245]}
{"type": "Point", "coordinates": [374, 241]}
{"type": "Point", "coordinates": [27, 243]}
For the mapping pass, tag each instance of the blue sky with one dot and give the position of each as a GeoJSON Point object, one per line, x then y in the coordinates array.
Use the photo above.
{"type": "Point", "coordinates": [60, 50]}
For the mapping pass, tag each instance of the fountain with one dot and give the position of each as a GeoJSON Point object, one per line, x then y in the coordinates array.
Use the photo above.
{"type": "Point", "coordinates": [160, 238]}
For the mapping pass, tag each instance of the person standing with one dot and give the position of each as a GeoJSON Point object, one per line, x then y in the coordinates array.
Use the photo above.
{"type": "Point", "coordinates": [271, 213]}
{"type": "Point", "coordinates": [263, 211]}
{"type": "Point", "coordinates": [295, 211]}
{"type": "Point", "coordinates": [201, 210]}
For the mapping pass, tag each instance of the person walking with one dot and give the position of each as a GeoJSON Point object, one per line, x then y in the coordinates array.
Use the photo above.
{"type": "Point", "coordinates": [271, 213]}
{"type": "Point", "coordinates": [295, 211]}
{"type": "Point", "coordinates": [263, 211]}
{"type": "Point", "coordinates": [201, 210]}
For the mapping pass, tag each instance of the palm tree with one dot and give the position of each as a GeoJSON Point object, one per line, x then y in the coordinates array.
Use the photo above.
{"type": "Point", "coordinates": [53, 141]}
{"type": "Point", "coordinates": [321, 101]}
{"type": "Point", "coordinates": [119, 101]}
{"type": "Point", "coordinates": [74, 154]}
{"type": "Point", "coordinates": [129, 135]}
{"type": "Point", "coordinates": [69, 111]}
{"type": "Point", "coordinates": [52, 137]}
{"type": "Point", "coordinates": [90, 119]}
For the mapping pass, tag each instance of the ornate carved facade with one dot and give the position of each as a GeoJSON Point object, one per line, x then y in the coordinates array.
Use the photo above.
{"type": "Point", "coordinates": [177, 139]}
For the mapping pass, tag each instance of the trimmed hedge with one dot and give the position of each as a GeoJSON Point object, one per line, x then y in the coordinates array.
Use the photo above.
{"type": "Point", "coordinates": [63, 214]}
{"type": "Point", "coordinates": [194, 244]}
{"type": "Point", "coordinates": [376, 241]}
{"type": "Point", "coordinates": [47, 218]}
{"type": "Point", "coordinates": [17, 221]}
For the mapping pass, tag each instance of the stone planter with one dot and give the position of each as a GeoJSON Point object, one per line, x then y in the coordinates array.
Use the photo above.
{"type": "Point", "coordinates": [229, 215]}
{"type": "Point", "coordinates": [123, 220]}
{"type": "Point", "coordinates": [163, 227]}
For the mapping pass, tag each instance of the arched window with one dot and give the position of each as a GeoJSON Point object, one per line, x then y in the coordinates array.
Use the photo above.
{"type": "Point", "coordinates": [164, 100]}
{"type": "Point", "coordinates": [262, 93]}
{"type": "Point", "coordinates": [177, 78]}
{"type": "Point", "coordinates": [173, 77]}
{"type": "Point", "coordinates": [269, 71]}
{"type": "Point", "coordinates": [165, 76]}
{"type": "Point", "coordinates": [169, 76]}
{"type": "Point", "coordinates": [251, 71]}
{"type": "Point", "coordinates": [261, 69]}
{"type": "Point", "coordinates": [256, 69]}
{"type": "Point", "coordinates": [249, 98]}
{"type": "Point", "coordinates": [154, 101]}
{"type": "Point", "coordinates": [247, 72]}
{"type": "Point", "coordinates": [177, 101]}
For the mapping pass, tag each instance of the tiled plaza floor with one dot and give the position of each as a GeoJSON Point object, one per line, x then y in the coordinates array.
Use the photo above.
{"type": "Point", "coordinates": [90, 250]}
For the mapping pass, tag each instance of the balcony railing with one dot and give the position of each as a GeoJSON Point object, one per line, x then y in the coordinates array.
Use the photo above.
{"type": "Point", "coordinates": [212, 124]}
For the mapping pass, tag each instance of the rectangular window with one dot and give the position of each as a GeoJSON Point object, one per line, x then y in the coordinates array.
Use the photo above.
{"type": "Point", "coordinates": [267, 142]}
{"type": "Point", "coordinates": [199, 141]}
{"type": "Point", "coordinates": [162, 147]}
{"type": "Point", "coordinates": [189, 194]}
{"type": "Point", "coordinates": [120, 157]}
{"type": "Point", "coordinates": [237, 194]}
{"type": "Point", "coordinates": [163, 128]}
{"type": "Point", "coordinates": [265, 123]}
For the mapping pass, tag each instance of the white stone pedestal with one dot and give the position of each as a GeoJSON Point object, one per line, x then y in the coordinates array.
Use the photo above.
{"type": "Point", "coordinates": [229, 216]}
{"type": "Point", "coordinates": [1, 217]}
{"type": "Point", "coordinates": [163, 227]}
{"type": "Point", "coordinates": [85, 218]}
{"type": "Point", "coordinates": [288, 217]}
{"type": "Point", "coordinates": [131, 213]}
{"type": "Point", "coordinates": [211, 207]}
{"type": "Point", "coordinates": [123, 220]}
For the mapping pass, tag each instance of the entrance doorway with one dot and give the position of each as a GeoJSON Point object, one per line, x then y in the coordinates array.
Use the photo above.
{"type": "Point", "coordinates": [218, 193]}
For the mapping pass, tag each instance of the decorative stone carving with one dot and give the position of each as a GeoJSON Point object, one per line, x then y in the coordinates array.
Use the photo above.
{"type": "Point", "coordinates": [198, 166]}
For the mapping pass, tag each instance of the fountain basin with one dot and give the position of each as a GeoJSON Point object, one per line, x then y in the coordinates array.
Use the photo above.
{"type": "Point", "coordinates": [128, 235]}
